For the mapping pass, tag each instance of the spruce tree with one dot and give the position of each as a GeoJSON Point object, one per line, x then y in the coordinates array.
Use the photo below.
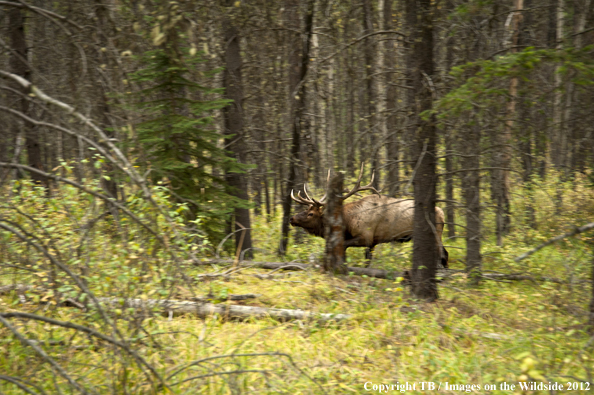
{"type": "Point", "coordinates": [177, 135]}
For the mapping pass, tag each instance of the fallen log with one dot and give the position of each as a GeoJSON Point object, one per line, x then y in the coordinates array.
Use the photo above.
{"type": "Point", "coordinates": [225, 298]}
{"type": "Point", "coordinates": [259, 265]}
{"type": "Point", "coordinates": [203, 310]}
{"type": "Point", "coordinates": [521, 277]}
{"type": "Point", "coordinates": [358, 271]}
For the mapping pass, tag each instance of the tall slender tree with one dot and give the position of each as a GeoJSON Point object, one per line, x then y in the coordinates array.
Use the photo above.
{"type": "Point", "coordinates": [371, 102]}
{"type": "Point", "coordinates": [425, 252]}
{"type": "Point", "coordinates": [234, 129]}
{"type": "Point", "coordinates": [472, 200]}
{"type": "Point", "coordinates": [298, 64]}
{"type": "Point", "coordinates": [20, 66]}
{"type": "Point", "coordinates": [392, 147]}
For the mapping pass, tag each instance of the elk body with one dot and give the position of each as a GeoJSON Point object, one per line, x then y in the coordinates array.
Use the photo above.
{"type": "Point", "coordinates": [369, 221]}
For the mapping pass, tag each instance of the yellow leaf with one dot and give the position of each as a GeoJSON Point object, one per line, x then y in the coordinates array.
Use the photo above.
{"type": "Point", "coordinates": [527, 364]}
{"type": "Point", "coordinates": [535, 374]}
{"type": "Point", "coordinates": [342, 385]}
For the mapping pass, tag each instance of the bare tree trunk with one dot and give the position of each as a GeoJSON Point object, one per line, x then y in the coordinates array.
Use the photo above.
{"type": "Point", "coordinates": [350, 129]}
{"type": "Point", "coordinates": [298, 63]}
{"type": "Point", "coordinates": [101, 12]}
{"type": "Point", "coordinates": [449, 143]}
{"type": "Point", "coordinates": [233, 117]}
{"type": "Point", "coordinates": [20, 66]}
{"type": "Point", "coordinates": [471, 192]}
{"type": "Point", "coordinates": [577, 152]}
{"type": "Point", "coordinates": [425, 251]}
{"type": "Point", "coordinates": [411, 23]}
{"type": "Point", "coordinates": [371, 94]}
{"type": "Point", "coordinates": [392, 147]}
{"type": "Point", "coordinates": [557, 148]}
{"type": "Point", "coordinates": [504, 153]}
{"type": "Point", "coordinates": [525, 115]}
{"type": "Point", "coordinates": [449, 178]}
{"type": "Point", "coordinates": [334, 228]}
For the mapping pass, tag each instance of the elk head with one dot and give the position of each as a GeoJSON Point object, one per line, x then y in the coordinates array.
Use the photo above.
{"type": "Point", "coordinates": [312, 219]}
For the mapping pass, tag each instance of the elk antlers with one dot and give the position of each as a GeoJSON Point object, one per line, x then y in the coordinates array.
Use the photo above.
{"type": "Point", "coordinates": [309, 200]}
{"type": "Point", "coordinates": [357, 188]}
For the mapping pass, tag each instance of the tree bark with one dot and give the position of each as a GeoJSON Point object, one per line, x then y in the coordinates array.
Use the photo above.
{"type": "Point", "coordinates": [298, 63]}
{"type": "Point", "coordinates": [425, 251]}
{"type": "Point", "coordinates": [472, 200]}
{"type": "Point", "coordinates": [504, 153]}
{"type": "Point", "coordinates": [101, 11]}
{"type": "Point", "coordinates": [392, 147]}
{"type": "Point", "coordinates": [335, 256]}
{"type": "Point", "coordinates": [449, 141]}
{"type": "Point", "coordinates": [371, 103]}
{"type": "Point", "coordinates": [411, 24]}
{"type": "Point", "coordinates": [525, 117]}
{"type": "Point", "coordinates": [19, 66]}
{"type": "Point", "coordinates": [578, 149]}
{"type": "Point", "coordinates": [557, 148]}
{"type": "Point", "coordinates": [235, 134]}
{"type": "Point", "coordinates": [449, 165]}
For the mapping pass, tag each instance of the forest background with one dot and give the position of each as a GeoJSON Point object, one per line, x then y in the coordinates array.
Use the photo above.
{"type": "Point", "coordinates": [148, 150]}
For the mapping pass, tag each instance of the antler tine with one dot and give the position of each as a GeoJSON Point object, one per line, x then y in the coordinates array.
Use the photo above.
{"type": "Point", "coordinates": [359, 188]}
{"type": "Point", "coordinates": [360, 175]}
{"type": "Point", "coordinates": [314, 201]}
{"type": "Point", "coordinates": [323, 199]}
{"type": "Point", "coordinates": [299, 199]}
{"type": "Point", "coordinates": [307, 200]}
{"type": "Point", "coordinates": [371, 183]}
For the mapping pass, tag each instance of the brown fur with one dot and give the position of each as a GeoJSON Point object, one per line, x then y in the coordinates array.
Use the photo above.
{"type": "Point", "coordinates": [372, 220]}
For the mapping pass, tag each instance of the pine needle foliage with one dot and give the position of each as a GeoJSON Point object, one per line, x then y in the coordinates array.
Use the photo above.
{"type": "Point", "coordinates": [178, 138]}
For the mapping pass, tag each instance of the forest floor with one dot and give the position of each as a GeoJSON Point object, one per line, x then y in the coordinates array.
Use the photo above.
{"type": "Point", "coordinates": [497, 334]}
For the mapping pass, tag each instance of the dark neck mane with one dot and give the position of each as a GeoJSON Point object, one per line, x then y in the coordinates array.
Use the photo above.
{"type": "Point", "coordinates": [317, 230]}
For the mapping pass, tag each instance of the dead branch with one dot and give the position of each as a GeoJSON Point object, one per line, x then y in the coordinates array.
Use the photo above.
{"type": "Point", "coordinates": [22, 384]}
{"type": "Point", "coordinates": [259, 265]}
{"type": "Point", "coordinates": [41, 11]}
{"type": "Point", "coordinates": [67, 324]}
{"type": "Point", "coordinates": [41, 353]}
{"type": "Point", "coordinates": [575, 231]}
{"type": "Point", "coordinates": [521, 277]}
{"type": "Point", "coordinates": [83, 287]}
{"type": "Point", "coordinates": [228, 297]}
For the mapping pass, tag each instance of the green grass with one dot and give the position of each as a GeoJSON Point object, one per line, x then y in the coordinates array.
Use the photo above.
{"type": "Point", "coordinates": [497, 332]}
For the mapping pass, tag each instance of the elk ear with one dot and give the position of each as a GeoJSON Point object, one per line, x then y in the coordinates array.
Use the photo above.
{"type": "Point", "coordinates": [321, 209]}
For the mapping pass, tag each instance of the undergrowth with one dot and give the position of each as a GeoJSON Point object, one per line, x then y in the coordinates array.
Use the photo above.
{"type": "Point", "coordinates": [501, 331]}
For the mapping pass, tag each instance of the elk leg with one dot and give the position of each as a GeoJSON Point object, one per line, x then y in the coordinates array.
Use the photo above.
{"type": "Point", "coordinates": [444, 257]}
{"type": "Point", "coordinates": [355, 242]}
{"type": "Point", "coordinates": [368, 256]}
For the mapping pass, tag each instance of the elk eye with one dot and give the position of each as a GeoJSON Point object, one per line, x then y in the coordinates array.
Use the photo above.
{"type": "Point", "coordinates": [310, 215]}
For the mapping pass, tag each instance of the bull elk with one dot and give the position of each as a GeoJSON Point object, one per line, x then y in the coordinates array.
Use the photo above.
{"type": "Point", "coordinates": [370, 221]}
